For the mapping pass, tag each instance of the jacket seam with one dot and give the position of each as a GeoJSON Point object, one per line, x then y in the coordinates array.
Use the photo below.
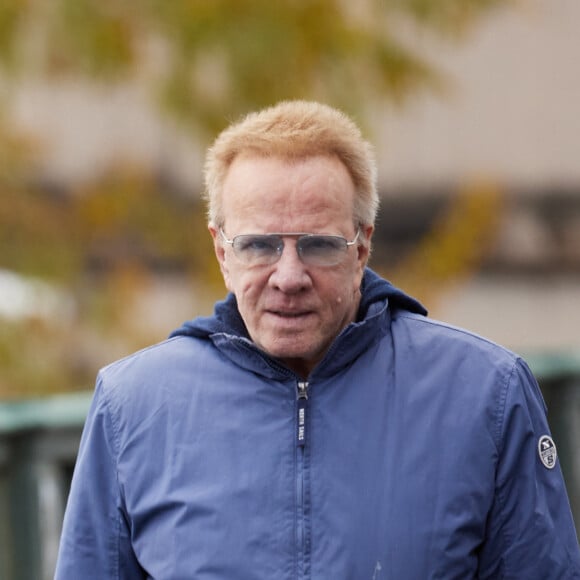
{"type": "Point", "coordinates": [502, 409]}
{"type": "Point", "coordinates": [459, 330]}
{"type": "Point", "coordinates": [119, 362]}
{"type": "Point", "coordinates": [115, 440]}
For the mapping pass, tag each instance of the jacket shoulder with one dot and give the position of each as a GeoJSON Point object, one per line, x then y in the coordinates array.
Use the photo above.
{"type": "Point", "coordinates": [465, 371]}
{"type": "Point", "coordinates": [424, 332]}
{"type": "Point", "coordinates": [155, 372]}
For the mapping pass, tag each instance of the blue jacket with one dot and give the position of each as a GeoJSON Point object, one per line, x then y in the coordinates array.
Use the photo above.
{"type": "Point", "coordinates": [414, 451]}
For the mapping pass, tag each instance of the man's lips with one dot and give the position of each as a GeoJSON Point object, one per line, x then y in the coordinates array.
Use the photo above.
{"type": "Point", "coordinates": [289, 313]}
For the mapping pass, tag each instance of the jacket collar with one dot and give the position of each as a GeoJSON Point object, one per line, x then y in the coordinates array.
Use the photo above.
{"type": "Point", "coordinates": [228, 332]}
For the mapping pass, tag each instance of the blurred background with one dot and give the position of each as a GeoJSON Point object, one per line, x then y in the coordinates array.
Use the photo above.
{"type": "Point", "coordinates": [106, 109]}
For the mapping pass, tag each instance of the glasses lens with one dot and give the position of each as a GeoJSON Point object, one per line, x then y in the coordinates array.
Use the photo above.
{"type": "Point", "coordinates": [258, 249]}
{"type": "Point", "coordinates": [322, 250]}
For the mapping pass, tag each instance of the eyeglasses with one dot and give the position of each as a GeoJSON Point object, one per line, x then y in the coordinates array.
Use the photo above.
{"type": "Point", "coordinates": [266, 249]}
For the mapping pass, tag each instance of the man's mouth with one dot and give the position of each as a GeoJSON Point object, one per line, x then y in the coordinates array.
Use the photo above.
{"type": "Point", "coordinates": [290, 313]}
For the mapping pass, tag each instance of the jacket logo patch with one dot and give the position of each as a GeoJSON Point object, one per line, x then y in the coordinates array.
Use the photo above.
{"type": "Point", "coordinates": [547, 451]}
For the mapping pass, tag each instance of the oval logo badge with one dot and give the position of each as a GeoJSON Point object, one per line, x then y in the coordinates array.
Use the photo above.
{"type": "Point", "coordinates": [547, 451]}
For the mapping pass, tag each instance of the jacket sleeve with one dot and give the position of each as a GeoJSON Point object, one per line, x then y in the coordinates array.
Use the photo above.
{"type": "Point", "coordinates": [95, 542]}
{"type": "Point", "coordinates": [530, 530]}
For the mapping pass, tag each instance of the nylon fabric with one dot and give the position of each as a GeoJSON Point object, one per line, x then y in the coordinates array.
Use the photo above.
{"type": "Point", "coordinates": [421, 460]}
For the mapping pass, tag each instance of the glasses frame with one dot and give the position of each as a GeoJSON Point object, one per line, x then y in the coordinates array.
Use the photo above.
{"type": "Point", "coordinates": [298, 235]}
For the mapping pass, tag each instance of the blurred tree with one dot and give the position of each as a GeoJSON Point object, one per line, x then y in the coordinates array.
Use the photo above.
{"type": "Point", "coordinates": [205, 62]}
{"type": "Point", "coordinates": [101, 245]}
{"type": "Point", "coordinates": [210, 61]}
{"type": "Point", "coordinates": [456, 243]}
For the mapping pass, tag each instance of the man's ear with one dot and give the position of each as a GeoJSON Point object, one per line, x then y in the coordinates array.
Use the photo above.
{"type": "Point", "coordinates": [364, 249]}
{"type": "Point", "coordinates": [220, 253]}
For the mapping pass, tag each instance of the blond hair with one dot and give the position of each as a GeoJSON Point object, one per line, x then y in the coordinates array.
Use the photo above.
{"type": "Point", "coordinates": [294, 130]}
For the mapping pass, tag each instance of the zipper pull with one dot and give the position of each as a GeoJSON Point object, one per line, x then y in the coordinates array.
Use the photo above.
{"type": "Point", "coordinates": [302, 400]}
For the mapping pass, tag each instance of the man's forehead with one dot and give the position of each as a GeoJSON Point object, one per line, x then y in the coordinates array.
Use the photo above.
{"type": "Point", "coordinates": [262, 190]}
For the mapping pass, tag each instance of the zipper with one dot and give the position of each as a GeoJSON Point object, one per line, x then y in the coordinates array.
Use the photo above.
{"type": "Point", "coordinates": [302, 528]}
{"type": "Point", "coordinates": [301, 409]}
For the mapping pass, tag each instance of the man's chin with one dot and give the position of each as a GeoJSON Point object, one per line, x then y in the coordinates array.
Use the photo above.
{"type": "Point", "coordinates": [287, 350]}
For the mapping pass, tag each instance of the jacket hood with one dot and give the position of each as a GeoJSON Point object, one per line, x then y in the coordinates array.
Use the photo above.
{"type": "Point", "coordinates": [226, 318]}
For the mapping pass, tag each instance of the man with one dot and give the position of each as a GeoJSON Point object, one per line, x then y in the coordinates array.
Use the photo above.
{"type": "Point", "coordinates": [318, 425]}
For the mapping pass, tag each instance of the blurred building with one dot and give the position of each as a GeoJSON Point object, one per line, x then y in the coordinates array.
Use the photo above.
{"type": "Point", "coordinates": [510, 115]}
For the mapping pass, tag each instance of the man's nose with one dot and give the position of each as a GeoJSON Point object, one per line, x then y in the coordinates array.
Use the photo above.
{"type": "Point", "coordinates": [290, 275]}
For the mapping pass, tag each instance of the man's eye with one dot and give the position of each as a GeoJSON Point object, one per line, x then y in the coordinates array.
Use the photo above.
{"type": "Point", "coordinates": [257, 245]}
{"type": "Point", "coordinates": [320, 244]}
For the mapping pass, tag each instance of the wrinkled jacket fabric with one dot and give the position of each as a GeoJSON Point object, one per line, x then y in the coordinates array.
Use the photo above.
{"type": "Point", "coordinates": [415, 456]}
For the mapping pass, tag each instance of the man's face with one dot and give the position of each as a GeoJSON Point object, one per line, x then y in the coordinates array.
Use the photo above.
{"type": "Point", "coordinates": [292, 310]}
